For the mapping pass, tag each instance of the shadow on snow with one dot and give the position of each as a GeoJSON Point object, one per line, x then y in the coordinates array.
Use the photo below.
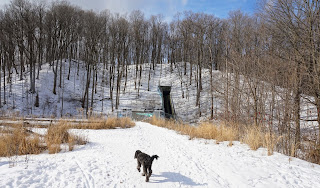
{"type": "Point", "coordinates": [174, 177]}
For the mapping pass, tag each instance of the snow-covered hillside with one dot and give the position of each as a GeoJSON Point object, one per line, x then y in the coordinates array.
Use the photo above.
{"type": "Point", "coordinates": [67, 101]}
{"type": "Point", "coordinates": [108, 161]}
{"type": "Point", "coordinates": [19, 99]}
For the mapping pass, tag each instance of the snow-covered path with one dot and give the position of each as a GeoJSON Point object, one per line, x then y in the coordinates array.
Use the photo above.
{"type": "Point", "coordinates": [108, 161]}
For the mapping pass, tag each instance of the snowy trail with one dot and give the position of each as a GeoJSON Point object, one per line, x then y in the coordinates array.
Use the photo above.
{"type": "Point", "coordinates": [108, 161]}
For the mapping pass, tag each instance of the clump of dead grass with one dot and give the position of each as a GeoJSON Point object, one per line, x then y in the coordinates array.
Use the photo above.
{"type": "Point", "coordinates": [253, 136]}
{"type": "Point", "coordinates": [102, 123]}
{"type": "Point", "coordinates": [313, 153]}
{"type": "Point", "coordinates": [218, 132]}
{"type": "Point", "coordinates": [17, 141]}
{"type": "Point", "coordinates": [270, 142]}
{"type": "Point", "coordinates": [205, 130]}
{"type": "Point", "coordinates": [58, 134]}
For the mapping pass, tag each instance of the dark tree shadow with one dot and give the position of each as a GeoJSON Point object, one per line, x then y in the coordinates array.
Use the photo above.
{"type": "Point", "coordinates": [174, 177]}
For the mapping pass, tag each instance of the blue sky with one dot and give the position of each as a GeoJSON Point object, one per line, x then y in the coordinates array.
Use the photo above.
{"type": "Point", "coordinates": [168, 8]}
{"type": "Point", "coordinates": [221, 8]}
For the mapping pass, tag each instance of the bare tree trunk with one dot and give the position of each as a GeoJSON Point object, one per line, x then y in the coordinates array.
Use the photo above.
{"type": "Point", "coordinates": [60, 76]}
{"type": "Point", "coordinates": [4, 82]}
{"type": "Point", "coordinates": [149, 77]}
{"type": "Point", "coordinates": [31, 62]}
{"type": "Point", "coordinates": [190, 71]}
{"type": "Point", "coordinates": [55, 74]}
{"type": "Point", "coordinates": [62, 95]}
{"type": "Point", "coordinates": [111, 81]}
{"type": "Point", "coordinates": [70, 60]}
{"type": "Point", "coordinates": [1, 60]}
{"type": "Point", "coordinates": [21, 63]}
{"type": "Point", "coordinates": [126, 78]}
{"type": "Point", "coordinates": [318, 117]}
{"type": "Point", "coordinates": [297, 106]}
{"type": "Point", "coordinates": [93, 87]}
{"type": "Point", "coordinates": [86, 93]}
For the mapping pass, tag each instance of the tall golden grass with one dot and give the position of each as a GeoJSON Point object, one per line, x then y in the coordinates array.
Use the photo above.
{"type": "Point", "coordinates": [56, 135]}
{"type": "Point", "coordinates": [59, 134]}
{"type": "Point", "coordinates": [253, 136]}
{"type": "Point", "coordinates": [102, 123]}
{"type": "Point", "coordinates": [18, 141]}
{"type": "Point", "coordinates": [313, 153]}
{"type": "Point", "coordinates": [205, 130]}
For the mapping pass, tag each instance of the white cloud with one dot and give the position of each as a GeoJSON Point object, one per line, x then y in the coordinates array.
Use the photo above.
{"type": "Point", "coordinates": [3, 3]}
{"type": "Point", "coordinates": [150, 7]}
{"type": "Point", "coordinates": [126, 6]}
{"type": "Point", "coordinates": [184, 2]}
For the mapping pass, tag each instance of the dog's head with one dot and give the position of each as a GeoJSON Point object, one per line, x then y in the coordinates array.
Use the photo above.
{"type": "Point", "coordinates": [137, 153]}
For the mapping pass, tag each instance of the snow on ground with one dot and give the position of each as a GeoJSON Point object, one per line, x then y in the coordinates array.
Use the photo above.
{"type": "Point", "coordinates": [108, 161]}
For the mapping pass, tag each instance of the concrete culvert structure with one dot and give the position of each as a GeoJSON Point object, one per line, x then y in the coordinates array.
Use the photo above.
{"type": "Point", "coordinates": [167, 105]}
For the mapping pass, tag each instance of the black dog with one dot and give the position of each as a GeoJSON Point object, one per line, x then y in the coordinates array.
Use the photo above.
{"type": "Point", "coordinates": [146, 161]}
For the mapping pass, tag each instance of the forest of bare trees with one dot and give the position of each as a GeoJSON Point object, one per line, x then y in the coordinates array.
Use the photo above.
{"type": "Point", "coordinates": [270, 59]}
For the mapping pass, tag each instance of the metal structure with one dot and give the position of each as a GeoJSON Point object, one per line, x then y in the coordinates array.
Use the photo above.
{"type": "Point", "coordinates": [149, 109]}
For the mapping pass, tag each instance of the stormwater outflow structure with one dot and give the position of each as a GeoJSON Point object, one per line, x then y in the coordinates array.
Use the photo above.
{"type": "Point", "coordinates": [166, 101]}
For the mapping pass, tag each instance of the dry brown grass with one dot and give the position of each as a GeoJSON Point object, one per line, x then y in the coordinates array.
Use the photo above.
{"type": "Point", "coordinates": [205, 130]}
{"type": "Point", "coordinates": [253, 136]}
{"type": "Point", "coordinates": [220, 133]}
{"type": "Point", "coordinates": [71, 142]}
{"type": "Point", "coordinates": [313, 153]}
{"type": "Point", "coordinates": [58, 134]}
{"type": "Point", "coordinates": [76, 140]}
{"type": "Point", "coordinates": [173, 125]}
{"type": "Point", "coordinates": [270, 142]}
{"type": "Point", "coordinates": [101, 123]}
{"type": "Point", "coordinates": [161, 122]}
{"type": "Point", "coordinates": [17, 141]}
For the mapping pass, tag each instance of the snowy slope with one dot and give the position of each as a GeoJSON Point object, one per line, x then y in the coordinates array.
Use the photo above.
{"type": "Point", "coordinates": [108, 161]}
{"type": "Point", "coordinates": [19, 99]}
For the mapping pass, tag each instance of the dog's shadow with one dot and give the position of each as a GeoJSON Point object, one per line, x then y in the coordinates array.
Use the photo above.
{"type": "Point", "coordinates": [174, 177]}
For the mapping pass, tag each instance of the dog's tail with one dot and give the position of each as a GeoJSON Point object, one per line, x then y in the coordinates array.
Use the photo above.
{"type": "Point", "coordinates": [154, 157]}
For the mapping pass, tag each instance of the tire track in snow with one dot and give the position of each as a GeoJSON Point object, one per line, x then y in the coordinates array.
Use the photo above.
{"type": "Point", "coordinates": [88, 177]}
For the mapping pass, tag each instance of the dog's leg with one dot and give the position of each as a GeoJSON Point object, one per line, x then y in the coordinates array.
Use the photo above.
{"type": "Point", "coordinates": [150, 171]}
{"type": "Point", "coordinates": [147, 174]}
{"type": "Point", "coordinates": [139, 165]}
{"type": "Point", "coordinates": [144, 170]}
